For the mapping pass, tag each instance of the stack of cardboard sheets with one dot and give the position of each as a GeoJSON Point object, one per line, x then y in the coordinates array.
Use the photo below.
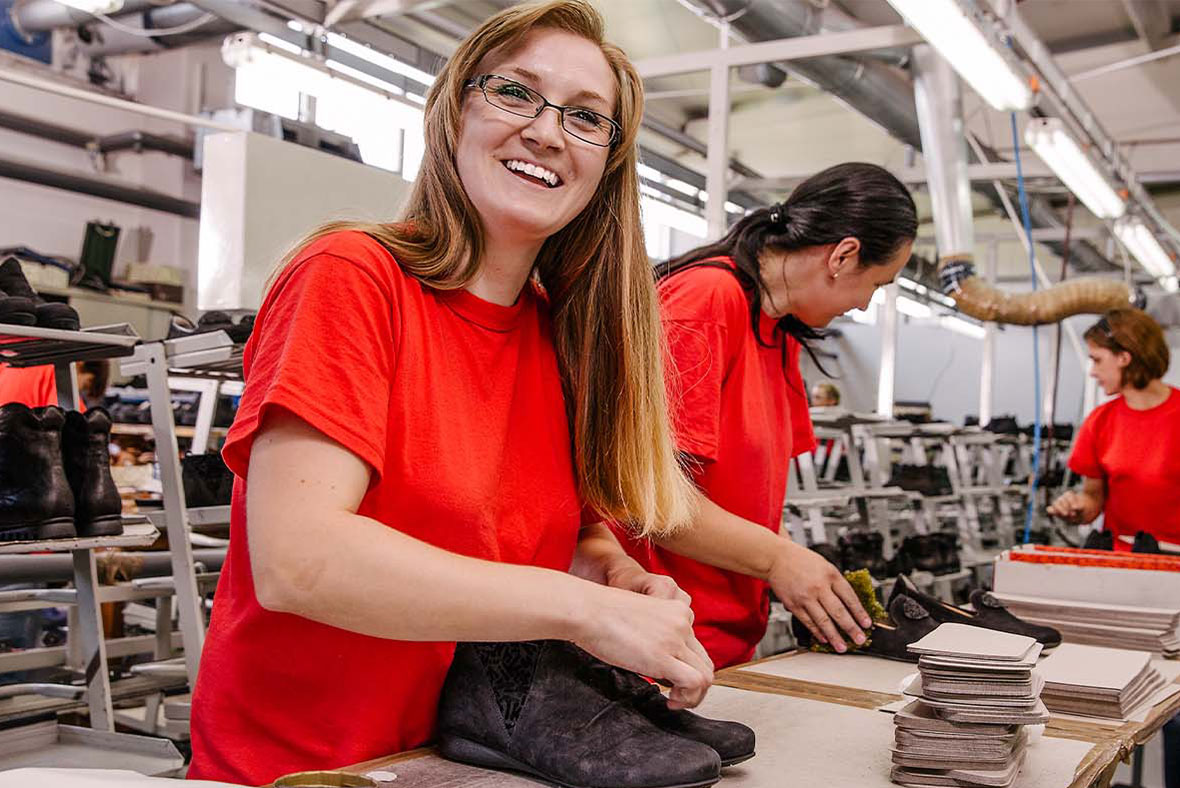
{"type": "Point", "coordinates": [1091, 623]}
{"type": "Point", "coordinates": [975, 692]}
{"type": "Point", "coordinates": [1098, 682]}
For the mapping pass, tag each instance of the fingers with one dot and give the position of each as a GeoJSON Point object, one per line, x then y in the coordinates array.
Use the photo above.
{"type": "Point", "coordinates": [840, 615]}
{"type": "Point", "coordinates": [689, 684]}
{"type": "Point", "coordinates": [806, 621]}
{"type": "Point", "coordinates": [824, 624]}
{"type": "Point", "coordinates": [844, 591]}
{"type": "Point", "coordinates": [664, 587]}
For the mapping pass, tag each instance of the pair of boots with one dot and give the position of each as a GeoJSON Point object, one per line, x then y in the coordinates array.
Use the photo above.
{"type": "Point", "coordinates": [55, 474]}
{"type": "Point", "coordinates": [937, 553]}
{"type": "Point", "coordinates": [550, 710]}
{"type": "Point", "coordinates": [20, 305]}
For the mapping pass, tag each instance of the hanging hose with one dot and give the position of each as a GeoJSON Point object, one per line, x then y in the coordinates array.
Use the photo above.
{"type": "Point", "coordinates": [1055, 380]}
{"type": "Point", "coordinates": [1032, 269]}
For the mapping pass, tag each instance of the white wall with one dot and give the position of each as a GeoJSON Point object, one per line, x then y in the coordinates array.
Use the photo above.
{"type": "Point", "coordinates": [53, 221]}
{"type": "Point", "coordinates": [942, 367]}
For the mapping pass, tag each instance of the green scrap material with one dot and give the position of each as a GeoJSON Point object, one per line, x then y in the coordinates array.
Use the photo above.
{"type": "Point", "coordinates": [862, 583]}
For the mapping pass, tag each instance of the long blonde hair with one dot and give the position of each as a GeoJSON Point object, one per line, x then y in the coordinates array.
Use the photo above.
{"type": "Point", "coordinates": [595, 270]}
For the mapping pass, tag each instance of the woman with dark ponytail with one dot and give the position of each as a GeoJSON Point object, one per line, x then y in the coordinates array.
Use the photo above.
{"type": "Point", "coordinates": [735, 315]}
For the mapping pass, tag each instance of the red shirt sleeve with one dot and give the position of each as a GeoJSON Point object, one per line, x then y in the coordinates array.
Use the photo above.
{"type": "Point", "coordinates": [695, 370]}
{"type": "Point", "coordinates": [802, 431]}
{"type": "Point", "coordinates": [1084, 460]}
{"type": "Point", "coordinates": [323, 348]}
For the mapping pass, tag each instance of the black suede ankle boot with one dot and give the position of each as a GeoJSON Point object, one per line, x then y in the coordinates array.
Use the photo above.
{"type": "Point", "coordinates": [35, 498]}
{"type": "Point", "coordinates": [97, 505]}
{"type": "Point", "coordinates": [733, 741]}
{"type": "Point", "coordinates": [524, 707]}
{"type": "Point", "coordinates": [47, 315]}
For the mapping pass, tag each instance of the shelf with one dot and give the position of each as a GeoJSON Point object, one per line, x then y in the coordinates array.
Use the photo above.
{"type": "Point", "coordinates": [37, 346]}
{"type": "Point", "coordinates": [149, 431]}
{"type": "Point", "coordinates": [137, 532]}
{"type": "Point", "coordinates": [211, 354]}
{"type": "Point", "coordinates": [67, 746]}
{"type": "Point", "coordinates": [197, 516]}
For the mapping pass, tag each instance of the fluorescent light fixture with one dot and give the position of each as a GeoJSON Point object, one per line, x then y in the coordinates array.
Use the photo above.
{"type": "Point", "coordinates": [908, 306]}
{"type": "Point", "coordinates": [656, 211]}
{"type": "Point", "coordinates": [961, 326]}
{"type": "Point", "coordinates": [1172, 284]}
{"type": "Point", "coordinates": [1144, 246]}
{"type": "Point", "coordinates": [947, 27]}
{"type": "Point", "coordinates": [94, 6]}
{"type": "Point", "coordinates": [1050, 140]}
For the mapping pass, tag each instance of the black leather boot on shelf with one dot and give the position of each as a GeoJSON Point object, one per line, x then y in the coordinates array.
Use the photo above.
{"type": "Point", "coordinates": [207, 480]}
{"type": "Point", "coordinates": [908, 622]}
{"type": "Point", "coordinates": [45, 314]}
{"type": "Point", "coordinates": [97, 505]}
{"type": "Point", "coordinates": [35, 499]}
{"type": "Point", "coordinates": [733, 741]}
{"type": "Point", "coordinates": [988, 612]}
{"type": "Point", "coordinates": [864, 550]}
{"type": "Point", "coordinates": [1099, 540]}
{"type": "Point", "coordinates": [528, 708]}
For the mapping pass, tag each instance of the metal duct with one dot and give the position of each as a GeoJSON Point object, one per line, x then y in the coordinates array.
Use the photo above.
{"type": "Point", "coordinates": [940, 114]}
{"type": "Point", "coordinates": [110, 40]}
{"type": "Point", "coordinates": [880, 92]}
{"type": "Point", "coordinates": [39, 16]}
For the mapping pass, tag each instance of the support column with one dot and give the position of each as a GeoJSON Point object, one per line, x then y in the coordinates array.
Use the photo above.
{"type": "Point", "coordinates": [885, 382]}
{"type": "Point", "coordinates": [717, 168]}
{"type": "Point", "coordinates": [987, 370]}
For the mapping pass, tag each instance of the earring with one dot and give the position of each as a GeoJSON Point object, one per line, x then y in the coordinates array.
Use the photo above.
{"type": "Point", "coordinates": [835, 276]}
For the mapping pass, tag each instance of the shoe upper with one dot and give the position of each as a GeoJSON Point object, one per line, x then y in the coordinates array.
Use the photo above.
{"type": "Point", "coordinates": [87, 463]}
{"type": "Point", "coordinates": [732, 740]}
{"type": "Point", "coordinates": [33, 485]}
{"type": "Point", "coordinates": [530, 702]}
{"type": "Point", "coordinates": [49, 314]}
{"type": "Point", "coordinates": [909, 622]}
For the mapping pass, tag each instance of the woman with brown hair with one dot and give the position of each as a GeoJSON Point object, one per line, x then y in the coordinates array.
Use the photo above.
{"type": "Point", "coordinates": [437, 415]}
{"type": "Point", "coordinates": [1128, 449]}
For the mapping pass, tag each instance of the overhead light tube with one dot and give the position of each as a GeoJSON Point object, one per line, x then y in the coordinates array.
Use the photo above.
{"type": "Point", "coordinates": [1145, 248]}
{"type": "Point", "coordinates": [94, 6]}
{"type": "Point", "coordinates": [1049, 139]}
{"type": "Point", "coordinates": [946, 26]}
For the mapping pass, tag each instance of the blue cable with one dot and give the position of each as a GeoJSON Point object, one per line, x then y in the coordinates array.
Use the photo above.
{"type": "Point", "coordinates": [1032, 266]}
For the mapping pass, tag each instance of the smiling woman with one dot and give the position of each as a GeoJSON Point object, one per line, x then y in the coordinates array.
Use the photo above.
{"type": "Point", "coordinates": [437, 414]}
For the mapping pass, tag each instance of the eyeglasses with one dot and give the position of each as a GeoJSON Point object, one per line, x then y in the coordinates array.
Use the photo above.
{"type": "Point", "coordinates": [511, 96]}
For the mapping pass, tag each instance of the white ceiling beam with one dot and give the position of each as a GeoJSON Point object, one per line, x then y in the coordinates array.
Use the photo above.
{"type": "Point", "coordinates": [797, 48]}
{"type": "Point", "coordinates": [1150, 19]}
{"type": "Point", "coordinates": [348, 10]}
{"type": "Point", "coordinates": [916, 175]}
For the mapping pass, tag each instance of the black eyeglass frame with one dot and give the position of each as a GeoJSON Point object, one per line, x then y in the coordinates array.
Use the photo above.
{"type": "Point", "coordinates": [481, 82]}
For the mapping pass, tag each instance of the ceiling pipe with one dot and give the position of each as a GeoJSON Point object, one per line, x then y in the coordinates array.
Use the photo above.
{"type": "Point", "coordinates": [96, 187]}
{"type": "Point", "coordinates": [39, 16]}
{"type": "Point", "coordinates": [109, 41]}
{"type": "Point", "coordinates": [940, 114]}
{"type": "Point", "coordinates": [880, 92]}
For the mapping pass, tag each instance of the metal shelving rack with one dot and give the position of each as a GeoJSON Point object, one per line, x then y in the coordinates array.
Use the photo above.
{"type": "Point", "coordinates": [26, 346]}
{"type": "Point", "coordinates": [203, 362]}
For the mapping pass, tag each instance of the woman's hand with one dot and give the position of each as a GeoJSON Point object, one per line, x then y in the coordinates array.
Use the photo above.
{"type": "Point", "coordinates": [649, 636]}
{"type": "Point", "coordinates": [630, 576]}
{"type": "Point", "coordinates": [1070, 506]}
{"type": "Point", "coordinates": [818, 595]}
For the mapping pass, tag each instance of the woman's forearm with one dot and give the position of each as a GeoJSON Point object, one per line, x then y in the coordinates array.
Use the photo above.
{"type": "Point", "coordinates": [599, 555]}
{"type": "Point", "coordinates": [724, 540]}
{"type": "Point", "coordinates": [354, 573]}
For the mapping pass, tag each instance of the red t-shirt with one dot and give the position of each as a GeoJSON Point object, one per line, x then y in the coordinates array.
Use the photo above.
{"type": "Point", "coordinates": [32, 386]}
{"type": "Point", "coordinates": [742, 413]}
{"type": "Point", "coordinates": [1137, 452]}
{"type": "Point", "coordinates": [456, 405]}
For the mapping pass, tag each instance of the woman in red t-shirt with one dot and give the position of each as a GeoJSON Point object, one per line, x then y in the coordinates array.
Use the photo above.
{"type": "Point", "coordinates": [736, 313]}
{"type": "Point", "coordinates": [437, 415]}
{"type": "Point", "coordinates": [1128, 449]}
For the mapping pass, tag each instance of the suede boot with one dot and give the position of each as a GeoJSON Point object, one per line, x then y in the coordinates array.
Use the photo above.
{"type": "Point", "coordinates": [524, 707]}
{"type": "Point", "coordinates": [97, 505]}
{"type": "Point", "coordinates": [733, 741]}
{"type": "Point", "coordinates": [35, 498]}
{"type": "Point", "coordinates": [46, 314]}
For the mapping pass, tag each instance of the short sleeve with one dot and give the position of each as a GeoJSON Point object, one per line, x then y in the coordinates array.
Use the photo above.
{"type": "Point", "coordinates": [1084, 460]}
{"type": "Point", "coordinates": [802, 432]}
{"type": "Point", "coordinates": [695, 370]}
{"type": "Point", "coordinates": [322, 348]}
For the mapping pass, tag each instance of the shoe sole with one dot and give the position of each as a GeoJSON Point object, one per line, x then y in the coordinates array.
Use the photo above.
{"type": "Point", "coordinates": [55, 528]}
{"type": "Point", "coordinates": [737, 759]}
{"type": "Point", "coordinates": [102, 526]}
{"type": "Point", "coordinates": [475, 754]}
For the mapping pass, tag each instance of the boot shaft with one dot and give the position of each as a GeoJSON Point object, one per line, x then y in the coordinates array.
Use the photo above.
{"type": "Point", "coordinates": [86, 457]}
{"type": "Point", "coordinates": [33, 485]}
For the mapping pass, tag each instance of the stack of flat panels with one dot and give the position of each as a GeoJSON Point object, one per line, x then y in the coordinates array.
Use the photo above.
{"type": "Point", "coordinates": [1098, 682]}
{"type": "Point", "coordinates": [975, 692]}
{"type": "Point", "coordinates": [1091, 623]}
